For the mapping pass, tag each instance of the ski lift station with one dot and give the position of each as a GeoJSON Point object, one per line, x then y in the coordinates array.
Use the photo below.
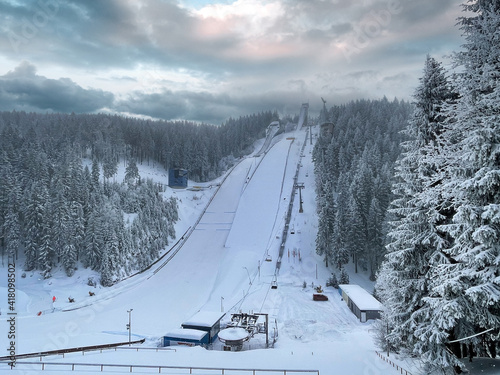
{"type": "Point", "coordinates": [177, 178]}
{"type": "Point", "coordinates": [202, 329]}
{"type": "Point", "coordinates": [360, 302]}
{"type": "Point", "coordinates": [243, 327]}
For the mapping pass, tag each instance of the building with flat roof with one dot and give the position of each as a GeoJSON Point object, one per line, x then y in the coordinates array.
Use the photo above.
{"type": "Point", "coordinates": [206, 321]}
{"type": "Point", "coordinates": [360, 302]}
{"type": "Point", "coordinates": [189, 337]}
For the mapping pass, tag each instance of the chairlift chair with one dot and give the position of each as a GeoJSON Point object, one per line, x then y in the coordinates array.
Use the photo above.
{"type": "Point", "coordinates": [274, 284]}
{"type": "Point", "coordinates": [269, 258]}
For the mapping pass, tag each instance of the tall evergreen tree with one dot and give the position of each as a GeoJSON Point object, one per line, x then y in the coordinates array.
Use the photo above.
{"type": "Point", "coordinates": [465, 294]}
{"type": "Point", "coordinates": [415, 241]}
{"type": "Point", "coordinates": [131, 172]}
{"type": "Point", "coordinates": [12, 227]}
{"type": "Point", "coordinates": [35, 225]}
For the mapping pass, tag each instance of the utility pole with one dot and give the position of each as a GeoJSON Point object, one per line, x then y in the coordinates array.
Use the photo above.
{"type": "Point", "coordinates": [129, 326]}
{"type": "Point", "coordinates": [249, 278]}
{"type": "Point", "coordinates": [300, 186]}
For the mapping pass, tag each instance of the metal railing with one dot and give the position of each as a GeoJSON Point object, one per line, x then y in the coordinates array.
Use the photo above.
{"type": "Point", "coordinates": [189, 370]}
{"type": "Point", "coordinates": [69, 350]}
{"type": "Point", "coordinates": [395, 365]}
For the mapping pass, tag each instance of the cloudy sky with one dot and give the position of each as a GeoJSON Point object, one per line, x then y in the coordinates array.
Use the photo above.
{"type": "Point", "coordinates": [207, 60]}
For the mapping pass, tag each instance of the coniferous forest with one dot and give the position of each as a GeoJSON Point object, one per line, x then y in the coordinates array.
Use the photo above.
{"type": "Point", "coordinates": [57, 210]}
{"type": "Point", "coordinates": [412, 195]}
{"type": "Point", "coordinates": [354, 170]}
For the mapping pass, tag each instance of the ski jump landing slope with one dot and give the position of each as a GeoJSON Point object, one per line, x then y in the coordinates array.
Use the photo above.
{"type": "Point", "coordinates": [203, 271]}
{"type": "Point", "coordinates": [221, 266]}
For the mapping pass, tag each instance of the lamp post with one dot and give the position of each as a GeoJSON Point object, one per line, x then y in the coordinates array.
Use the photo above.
{"type": "Point", "coordinates": [249, 278]}
{"type": "Point", "coordinates": [129, 326]}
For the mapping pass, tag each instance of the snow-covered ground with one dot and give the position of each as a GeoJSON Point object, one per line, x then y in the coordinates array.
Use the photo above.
{"type": "Point", "coordinates": [220, 266]}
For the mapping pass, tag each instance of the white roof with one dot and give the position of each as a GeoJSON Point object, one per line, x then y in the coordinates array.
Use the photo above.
{"type": "Point", "coordinates": [193, 334]}
{"type": "Point", "coordinates": [204, 319]}
{"type": "Point", "coordinates": [233, 334]}
{"type": "Point", "coordinates": [362, 299]}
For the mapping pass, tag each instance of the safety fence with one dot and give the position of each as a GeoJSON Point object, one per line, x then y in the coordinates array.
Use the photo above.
{"type": "Point", "coordinates": [58, 366]}
{"type": "Point", "coordinates": [82, 349]}
{"type": "Point", "coordinates": [395, 365]}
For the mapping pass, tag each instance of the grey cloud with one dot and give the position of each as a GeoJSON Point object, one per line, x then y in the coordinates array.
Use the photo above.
{"type": "Point", "coordinates": [398, 78]}
{"type": "Point", "coordinates": [100, 34]}
{"type": "Point", "coordinates": [307, 42]}
{"type": "Point", "coordinates": [211, 108]}
{"type": "Point", "coordinates": [414, 11]}
{"type": "Point", "coordinates": [203, 107]}
{"type": "Point", "coordinates": [22, 89]}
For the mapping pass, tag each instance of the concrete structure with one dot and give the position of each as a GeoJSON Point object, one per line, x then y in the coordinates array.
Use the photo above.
{"type": "Point", "coordinates": [360, 302]}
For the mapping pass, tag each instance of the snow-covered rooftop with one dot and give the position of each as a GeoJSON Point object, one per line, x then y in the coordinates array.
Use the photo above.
{"type": "Point", "coordinates": [186, 333]}
{"type": "Point", "coordinates": [233, 334]}
{"type": "Point", "coordinates": [362, 299]}
{"type": "Point", "coordinates": [204, 319]}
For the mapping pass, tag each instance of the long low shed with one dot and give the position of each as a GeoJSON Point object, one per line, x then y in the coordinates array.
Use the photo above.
{"type": "Point", "coordinates": [360, 302]}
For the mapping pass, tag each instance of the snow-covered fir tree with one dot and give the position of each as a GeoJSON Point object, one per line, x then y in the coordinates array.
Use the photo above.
{"type": "Point", "coordinates": [441, 279]}
{"type": "Point", "coordinates": [353, 168]}
{"type": "Point", "coordinates": [415, 241]}
{"type": "Point", "coordinates": [465, 292]}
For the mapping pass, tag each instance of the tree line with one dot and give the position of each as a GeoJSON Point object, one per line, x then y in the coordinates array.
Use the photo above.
{"type": "Point", "coordinates": [58, 210]}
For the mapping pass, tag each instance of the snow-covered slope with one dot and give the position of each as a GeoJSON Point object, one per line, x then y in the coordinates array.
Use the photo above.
{"type": "Point", "coordinates": [220, 266]}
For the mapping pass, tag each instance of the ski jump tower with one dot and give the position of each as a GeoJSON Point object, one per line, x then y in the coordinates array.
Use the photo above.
{"type": "Point", "coordinates": [303, 115]}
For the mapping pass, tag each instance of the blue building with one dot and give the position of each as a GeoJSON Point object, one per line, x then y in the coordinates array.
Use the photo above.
{"type": "Point", "coordinates": [189, 337]}
{"type": "Point", "coordinates": [202, 329]}
{"type": "Point", "coordinates": [177, 178]}
{"type": "Point", "coordinates": [206, 321]}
